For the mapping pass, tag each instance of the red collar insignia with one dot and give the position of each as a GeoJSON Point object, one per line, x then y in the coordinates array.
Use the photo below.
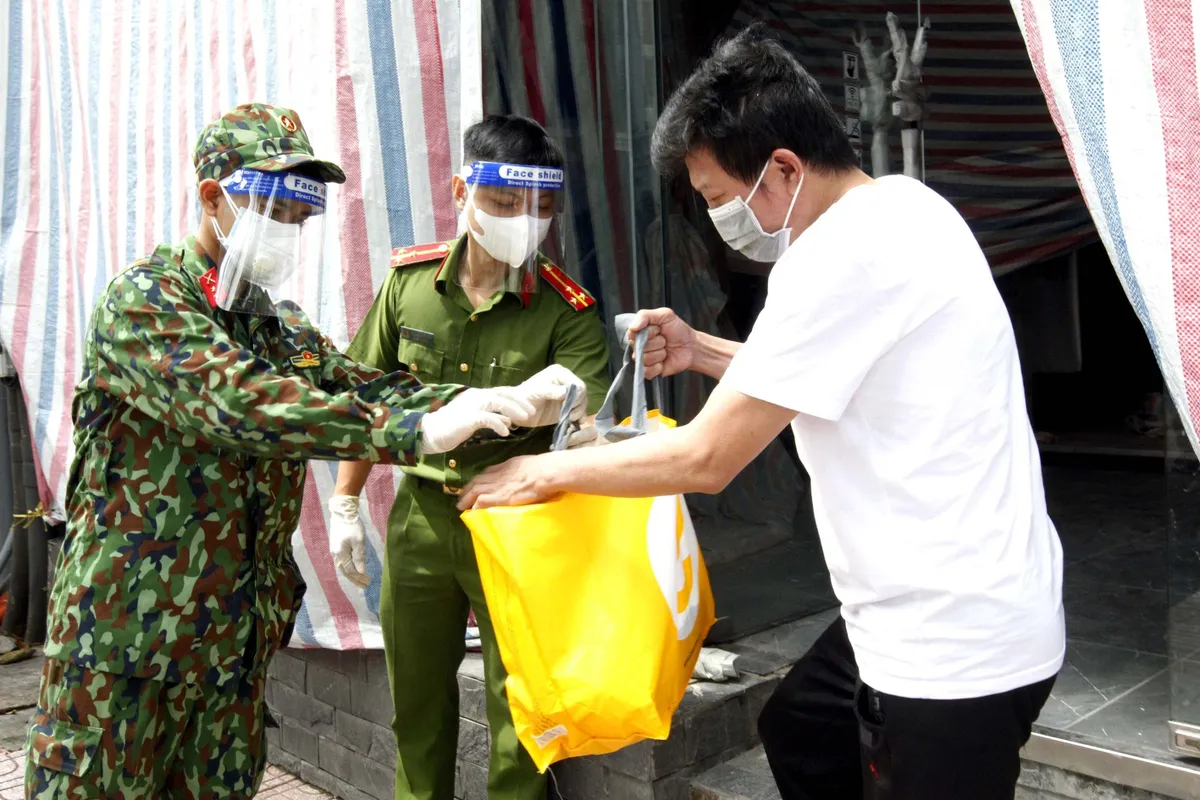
{"type": "Point", "coordinates": [208, 282]}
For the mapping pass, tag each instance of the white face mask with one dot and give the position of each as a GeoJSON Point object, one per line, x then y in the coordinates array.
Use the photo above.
{"type": "Point", "coordinates": [511, 240]}
{"type": "Point", "coordinates": [738, 226]}
{"type": "Point", "coordinates": [266, 251]}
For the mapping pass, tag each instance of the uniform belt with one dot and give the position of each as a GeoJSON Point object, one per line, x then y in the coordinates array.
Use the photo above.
{"type": "Point", "coordinates": [425, 483]}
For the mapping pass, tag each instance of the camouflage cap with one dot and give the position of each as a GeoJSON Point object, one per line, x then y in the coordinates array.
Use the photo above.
{"type": "Point", "coordinates": [259, 136]}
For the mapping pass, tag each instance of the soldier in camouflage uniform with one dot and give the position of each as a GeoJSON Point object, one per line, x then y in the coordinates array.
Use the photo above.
{"type": "Point", "coordinates": [193, 425]}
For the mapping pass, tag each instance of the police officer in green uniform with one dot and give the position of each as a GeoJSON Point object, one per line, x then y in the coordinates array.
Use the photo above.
{"type": "Point", "coordinates": [486, 309]}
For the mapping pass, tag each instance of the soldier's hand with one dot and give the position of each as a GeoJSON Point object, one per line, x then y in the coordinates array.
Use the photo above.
{"type": "Point", "coordinates": [546, 391]}
{"type": "Point", "coordinates": [348, 539]}
{"type": "Point", "coordinates": [670, 344]}
{"type": "Point", "coordinates": [475, 409]}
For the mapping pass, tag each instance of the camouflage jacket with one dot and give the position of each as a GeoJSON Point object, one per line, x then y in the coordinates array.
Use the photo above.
{"type": "Point", "coordinates": [193, 427]}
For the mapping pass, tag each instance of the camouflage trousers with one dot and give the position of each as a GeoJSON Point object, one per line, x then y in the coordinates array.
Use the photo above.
{"type": "Point", "coordinates": [103, 735]}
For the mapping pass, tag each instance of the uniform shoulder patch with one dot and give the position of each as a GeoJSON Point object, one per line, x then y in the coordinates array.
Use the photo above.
{"type": "Point", "coordinates": [575, 295]}
{"type": "Point", "coordinates": [419, 254]}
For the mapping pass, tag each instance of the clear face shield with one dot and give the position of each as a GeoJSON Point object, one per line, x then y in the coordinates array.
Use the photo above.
{"type": "Point", "coordinates": [509, 211]}
{"type": "Point", "coordinates": [276, 241]}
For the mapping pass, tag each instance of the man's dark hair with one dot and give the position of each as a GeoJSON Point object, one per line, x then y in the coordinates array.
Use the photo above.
{"type": "Point", "coordinates": [744, 101]}
{"type": "Point", "coordinates": [511, 139]}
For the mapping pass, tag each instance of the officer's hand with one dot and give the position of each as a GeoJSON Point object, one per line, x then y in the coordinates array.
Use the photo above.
{"type": "Point", "coordinates": [348, 539]}
{"type": "Point", "coordinates": [475, 409]}
{"type": "Point", "coordinates": [546, 392]}
{"type": "Point", "coordinates": [582, 437]}
{"type": "Point", "coordinates": [670, 346]}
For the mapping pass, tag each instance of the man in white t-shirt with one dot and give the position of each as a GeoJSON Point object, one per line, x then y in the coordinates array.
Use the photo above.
{"type": "Point", "coordinates": [885, 345]}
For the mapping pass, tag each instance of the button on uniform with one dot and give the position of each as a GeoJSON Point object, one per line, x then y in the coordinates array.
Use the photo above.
{"type": "Point", "coordinates": [463, 367]}
{"type": "Point", "coordinates": [452, 464]}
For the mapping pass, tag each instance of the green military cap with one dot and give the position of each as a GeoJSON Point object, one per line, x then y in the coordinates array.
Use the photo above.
{"type": "Point", "coordinates": [263, 137]}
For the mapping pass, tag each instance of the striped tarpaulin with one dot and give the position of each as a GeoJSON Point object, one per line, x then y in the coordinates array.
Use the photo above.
{"type": "Point", "coordinates": [1120, 78]}
{"type": "Point", "coordinates": [104, 101]}
{"type": "Point", "coordinates": [990, 144]}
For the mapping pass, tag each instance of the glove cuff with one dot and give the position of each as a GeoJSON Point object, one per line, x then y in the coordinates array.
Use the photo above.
{"type": "Point", "coordinates": [344, 506]}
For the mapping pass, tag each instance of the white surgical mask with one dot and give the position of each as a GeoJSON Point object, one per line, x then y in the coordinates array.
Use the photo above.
{"type": "Point", "coordinates": [740, 229]}
{"type": "Point", "coordinates": [264, 250]}
{"type": "Point", "coordinates": [511, 240]}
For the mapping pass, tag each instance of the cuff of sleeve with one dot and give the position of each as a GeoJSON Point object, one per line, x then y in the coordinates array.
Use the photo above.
{"type": "Point", "coordinates": [400, 436]}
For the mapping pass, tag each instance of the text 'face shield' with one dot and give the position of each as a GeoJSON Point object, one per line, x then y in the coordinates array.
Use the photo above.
{"type": "Point", "coordinates": [509, 211]}
{"type": "Point", "coordinates": [276, 240]}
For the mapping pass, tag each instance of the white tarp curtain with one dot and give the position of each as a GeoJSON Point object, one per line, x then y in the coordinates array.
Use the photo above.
{"type": "Point", "coordinates": [1120, 79]}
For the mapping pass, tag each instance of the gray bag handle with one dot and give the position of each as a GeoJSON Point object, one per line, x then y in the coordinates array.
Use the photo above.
{"type": "Point", "coordinates": [562, 431]}
{"type": "Point", "coordinates": [605, 418]}
{"type": "Point", "coordinates": [622, 322]}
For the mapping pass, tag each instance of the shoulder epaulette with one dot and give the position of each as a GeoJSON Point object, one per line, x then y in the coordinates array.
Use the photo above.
{"type": "Point", "coordinates": [571, 291]}
{"type": "Point", "coordinates": [419, 254]}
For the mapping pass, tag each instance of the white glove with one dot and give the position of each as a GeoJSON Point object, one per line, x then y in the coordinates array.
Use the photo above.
{"type": "Point", "coordinates": [582, 437]}
{"type": "Point", "coordinates": [348, 539]}
{"type": "Point", "coordinates": [452, 424]}
{"type": "Point", "coordinates": [546, 392]}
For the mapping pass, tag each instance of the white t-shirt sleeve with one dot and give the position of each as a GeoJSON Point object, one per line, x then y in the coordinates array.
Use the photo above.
{"type": "Point", "coordinates": [829, 316]}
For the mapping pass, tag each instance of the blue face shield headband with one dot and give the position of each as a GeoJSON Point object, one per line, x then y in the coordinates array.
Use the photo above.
{"type": "Point", "coordinates": [514, 176]}
{"type": "Point", "coordinates": [276, 186]}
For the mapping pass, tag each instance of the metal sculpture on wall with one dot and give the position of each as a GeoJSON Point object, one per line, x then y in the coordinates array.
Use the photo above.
{"type": "Point", "coordinates": [903, 99]}
{"type": "Point", "coordinates": [876, 110]}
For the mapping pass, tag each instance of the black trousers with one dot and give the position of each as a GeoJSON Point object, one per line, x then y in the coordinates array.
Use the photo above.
{"type": "Point", "coordinates": [830, 737]}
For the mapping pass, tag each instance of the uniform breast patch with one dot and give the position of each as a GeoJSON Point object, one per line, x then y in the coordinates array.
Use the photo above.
{"type": "Point", "coordinates": [417, 336]}
{"type": "Point", "coordinates": [306, 360]}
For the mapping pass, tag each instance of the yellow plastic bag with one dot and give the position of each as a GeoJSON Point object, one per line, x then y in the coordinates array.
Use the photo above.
{"type": "Point", "coordinates": [600, 607]}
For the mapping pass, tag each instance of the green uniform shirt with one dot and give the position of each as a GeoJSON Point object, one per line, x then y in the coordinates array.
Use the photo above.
{"type": "Point", "coordinates": [193, 427]}
{"type": "Point", "coordinates": [423, 321]}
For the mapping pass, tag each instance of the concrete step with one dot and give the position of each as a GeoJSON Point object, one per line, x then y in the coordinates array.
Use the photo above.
{"type": "Point", "coordinates": [714, 723]}
{"type": "Point", "coordinates": [748, 777]}
{"type": "Point", "coordinates": [335, 715]}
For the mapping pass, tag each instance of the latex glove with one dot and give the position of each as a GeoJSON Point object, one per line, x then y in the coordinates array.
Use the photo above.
{"type": "Point", "coordinates": [475, 409]}
{"type": "Point", "coordinates": [546, 392]}
{"type": "Point", "coordinates": [582, 437]}
{"type": "Point", "coordinates": [348, 539]}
